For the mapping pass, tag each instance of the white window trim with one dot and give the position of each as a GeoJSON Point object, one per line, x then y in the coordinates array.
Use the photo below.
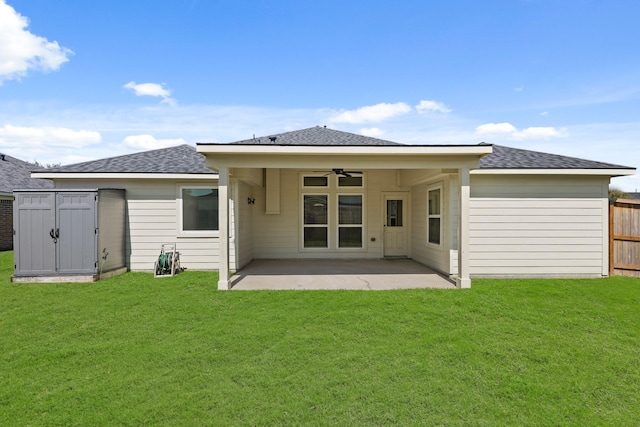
{"type": "Point", "coordinates": [440, 215]}
{"type": "Point", "coordinates": [192, 233]}
{"type": "Point", "coordinates": [332, 191]}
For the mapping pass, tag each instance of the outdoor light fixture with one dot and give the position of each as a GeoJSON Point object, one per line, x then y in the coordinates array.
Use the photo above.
{"type": "Point", "coordinates": [251, 200]}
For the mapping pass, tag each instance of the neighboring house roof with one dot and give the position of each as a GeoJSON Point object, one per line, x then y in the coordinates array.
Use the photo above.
{"type": "Point", "coordinates": [517, 158]}
{"type": "Point", "coordinates": [182, 159]}
{"type": "Point", "coordinates": [16, 174]}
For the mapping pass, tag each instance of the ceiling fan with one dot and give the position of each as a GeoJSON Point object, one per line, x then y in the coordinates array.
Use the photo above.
{"type": "Point", "coordinates": [341, 172]}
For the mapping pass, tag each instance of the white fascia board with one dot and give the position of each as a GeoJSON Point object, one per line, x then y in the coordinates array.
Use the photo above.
{"type": "Point", "coordinates": [479, 150]}
{"type": "Point", "coordinates": [87, 175]}
{"type": "Point", "coordinates": [603, 172]}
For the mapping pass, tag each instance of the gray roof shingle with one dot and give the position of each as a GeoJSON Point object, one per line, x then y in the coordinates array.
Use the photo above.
{"type": "Point", "coordinates": [317, 135]}
{"type": "Point", "coordinates": [15, 174]}
{"type": "Point", "coordinates": [182, 159]}
{"type": "Point", "coordinates": [517, 158]}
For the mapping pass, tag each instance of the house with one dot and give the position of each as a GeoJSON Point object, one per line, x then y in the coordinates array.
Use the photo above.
{"type": "Point", "coordinates": [14, 174]}
{"type": "Point", "coordinates": [463, 210]}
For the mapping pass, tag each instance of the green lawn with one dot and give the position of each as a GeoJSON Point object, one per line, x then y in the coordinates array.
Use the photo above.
{"type": "Point", "coordinates": [134, 350]}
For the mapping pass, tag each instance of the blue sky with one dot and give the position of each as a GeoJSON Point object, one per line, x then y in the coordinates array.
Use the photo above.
{"type": "Point", "coordinates": [81, 80]}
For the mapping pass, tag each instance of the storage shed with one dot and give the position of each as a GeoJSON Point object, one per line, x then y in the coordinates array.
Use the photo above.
{"type": "Point", "coordinates": [69, 235]}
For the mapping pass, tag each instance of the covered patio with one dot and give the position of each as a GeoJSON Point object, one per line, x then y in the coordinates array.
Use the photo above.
{"type": "Point", "coordinates": [337, 274]}
{"type": "Point", "coordinates": [304, 206]}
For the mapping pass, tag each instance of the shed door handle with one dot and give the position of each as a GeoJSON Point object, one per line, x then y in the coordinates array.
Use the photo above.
{"type": "Point", "coordinates": [55, 234]}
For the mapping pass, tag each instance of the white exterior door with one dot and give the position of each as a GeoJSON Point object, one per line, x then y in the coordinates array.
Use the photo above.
{"type": "Point", "coordinates": [395, 224]}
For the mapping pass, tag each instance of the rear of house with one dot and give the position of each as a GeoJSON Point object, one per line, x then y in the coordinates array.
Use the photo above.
{"type": "Point", "coordinates": [466, 211]}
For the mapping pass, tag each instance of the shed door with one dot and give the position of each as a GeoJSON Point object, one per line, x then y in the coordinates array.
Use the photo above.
{"type": "Point", "coordinates": [34, 219]}
{"type": "Point", "coordinates": [76, 221]}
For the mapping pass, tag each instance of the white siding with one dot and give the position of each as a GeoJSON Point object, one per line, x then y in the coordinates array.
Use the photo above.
{"type": "Point", "coordinates": [152, 220]}
{"type": "Point", "coordinates": [436, 257]}
{"type": "Point", "coordinates": [538, 226]}
{"type": "Point", "coordinates": [244, 223]}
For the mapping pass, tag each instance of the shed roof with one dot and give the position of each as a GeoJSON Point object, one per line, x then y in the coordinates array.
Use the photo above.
{"type": "Point", "coordinates": [16, 174]}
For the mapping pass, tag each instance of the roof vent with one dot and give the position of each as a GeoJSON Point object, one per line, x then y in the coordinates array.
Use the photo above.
{"type": "Point", "coordinates": [273, 139]}
{"type": "Point", "coordinates": [2, 158]}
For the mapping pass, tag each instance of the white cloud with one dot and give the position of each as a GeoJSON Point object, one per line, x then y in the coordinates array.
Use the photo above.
{"type": "Point", "coordinates": [21, 50]}
{"type": "Point", "coordinates": [509, 130]}
{"type": "Point", "coordinates": [151, 89]}
{"type": "Point", "coordinates": [34, 137]}
{"type": "Point", "coordinates": [544, 113]}
{"type": "Point", "coordinates": [148, 142]}
{"type": "Point", "coordinates": [373, 132]}
{"type": "Point", "coordinates": [540, 133]}
{"type": "Point", "coordinates": [495, 128]}
{"type": "Point", "coordinates": [372, 113]}
{"type": "Point", "coordinates": [426, 106]}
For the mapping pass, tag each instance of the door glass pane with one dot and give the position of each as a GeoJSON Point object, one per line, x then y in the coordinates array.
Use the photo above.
{"type": "Point", "coordinates": [434, 230]}
{"type": "Point", "coordinates": [394, 213]}
{"type": "Point", "coordinates": [315, 237]}
{"type": "Point", "coordinates": [350, 209]}
{"type": "Point", "coordinates": [434, 202]}
{"type": "Point", "coordinates": [315, 209]}
{"type": "Point", "coordinates": [350, 237]}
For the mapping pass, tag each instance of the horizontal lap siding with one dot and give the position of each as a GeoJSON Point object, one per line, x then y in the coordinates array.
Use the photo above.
{"type": "Point", "coordinates": [276, 235]}
{"type": "Point", "coordinates": [152, 220]}
{"type": "Point", "coordinates": [537, 226]}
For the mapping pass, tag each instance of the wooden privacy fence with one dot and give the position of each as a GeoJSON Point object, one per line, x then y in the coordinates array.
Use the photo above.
{"type": "Point", "coordinates": [624, 237]}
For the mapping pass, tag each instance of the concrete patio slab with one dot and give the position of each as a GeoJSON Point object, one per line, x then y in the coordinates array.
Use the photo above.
{"type": "Point", "coordinates": [377, 274]}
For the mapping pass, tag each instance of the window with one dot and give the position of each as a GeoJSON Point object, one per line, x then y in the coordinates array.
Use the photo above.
{"type": "Point", "coordinates": [350, 181]}
{"type": "Point", "coordinates": [350, 221]}
{"type": "Point", "coordinates": [394, 213]}
{"type": "Point", "coordinates": [434, 218]}
{"type": "Point", "coordinates": [315, 181]}
{"type": "Point", "coordinates": [198, 210]}
{"type": "Point", "coordinates": [332, 212]}
{"type": "Point", "coordinates": [316, 221]}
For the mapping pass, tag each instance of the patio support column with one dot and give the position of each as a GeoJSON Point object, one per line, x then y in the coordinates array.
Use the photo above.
{"type": "Point", "coordinates": [223, 226]}
{"type": "Point", "coordinates": [463, 280]}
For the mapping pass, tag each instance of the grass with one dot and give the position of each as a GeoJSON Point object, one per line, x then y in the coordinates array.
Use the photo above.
{"type": "Point", "coordinates": [133, 350]}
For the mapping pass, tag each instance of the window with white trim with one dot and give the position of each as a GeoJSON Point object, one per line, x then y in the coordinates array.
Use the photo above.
{"type": "Point", "coordinates": [316, 221]}
{"type": "Point", "coordinates": [434, 216]}
{"type": "Point", "coordinates": [332, 220]}
{"type": "Point", "coordinates": [350, 222]}
{"type": "Point", "coordinates": [198, 207]}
